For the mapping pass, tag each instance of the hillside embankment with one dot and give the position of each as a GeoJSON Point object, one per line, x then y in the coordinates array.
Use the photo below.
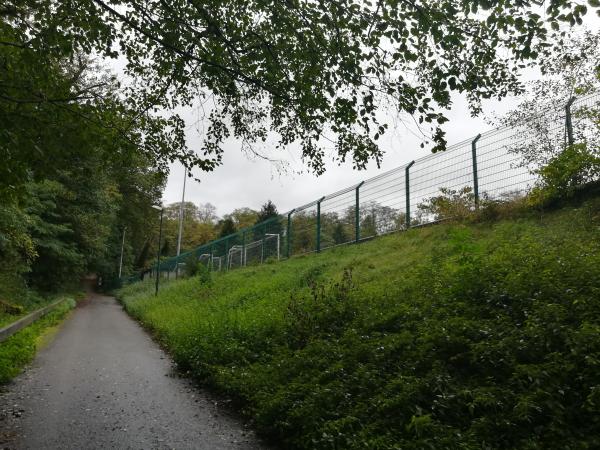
{"type": "Point", "coordinates": [460, 335]}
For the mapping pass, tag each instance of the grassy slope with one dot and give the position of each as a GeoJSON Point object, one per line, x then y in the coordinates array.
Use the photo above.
{"type": "Point", "coordinates": [454, 336]}
{"type": "Point", "coordinates": [19, 349]}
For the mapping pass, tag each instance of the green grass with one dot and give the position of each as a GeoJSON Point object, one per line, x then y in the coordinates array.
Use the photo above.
{"type": "Point", "coordinates": [453, 336]}
{"type": "Point", "coordinates": [7, 319]}
{"type": "Point", "coordinates": [22, 300]}
{"type": "Point", "coordinates": [19, 349]}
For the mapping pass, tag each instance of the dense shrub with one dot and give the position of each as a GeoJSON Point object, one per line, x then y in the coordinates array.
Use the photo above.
{"type": "Point", "coordinates": [199, 270]}
{"type": "Point", "coordinates": [449, 204]}
{"type": "Point", "coordinates": [191, 265]}
{"type": "Point", "coordinates": [203, 274]}
{"type": "Point", "coordinates": [566, 172]}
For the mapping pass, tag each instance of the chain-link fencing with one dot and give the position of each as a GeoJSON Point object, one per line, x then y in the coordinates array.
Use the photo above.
{"type": "Point", "coordinates": [497, 165]}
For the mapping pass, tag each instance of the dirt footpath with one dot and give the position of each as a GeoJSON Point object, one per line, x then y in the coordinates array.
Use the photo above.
{"type": "Point", "coordinates": [103, 383]}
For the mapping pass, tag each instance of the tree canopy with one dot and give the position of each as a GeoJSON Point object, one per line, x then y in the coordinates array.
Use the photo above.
{"type": "Point", "coordinates": [313, 72]}
{"type": "Point", "coordinates": [267, 211]}
{"type": "Point", "coordinates": [242, 217]}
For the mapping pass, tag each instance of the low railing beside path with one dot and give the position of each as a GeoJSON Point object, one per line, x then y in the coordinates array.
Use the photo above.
{"type": "Point", "coordinates": [18, 325]}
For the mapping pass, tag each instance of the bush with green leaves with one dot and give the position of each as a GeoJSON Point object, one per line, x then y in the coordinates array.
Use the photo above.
{"type": "Point", "coordinates": [455, 204]}
{"type": "Point", "coordinates": [203, 274]}
{"type": "Point", "coordinates": [191, 265]}
{"type": "Point", "coordinates": [566, 172]}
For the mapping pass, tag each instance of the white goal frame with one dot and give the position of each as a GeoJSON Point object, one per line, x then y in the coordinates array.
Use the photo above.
{"type": "Point", "coordinates": [243, 250]}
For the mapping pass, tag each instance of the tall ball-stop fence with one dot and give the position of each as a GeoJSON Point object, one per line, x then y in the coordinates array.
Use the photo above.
{"type": "Point", "coordinates": [494, 165]}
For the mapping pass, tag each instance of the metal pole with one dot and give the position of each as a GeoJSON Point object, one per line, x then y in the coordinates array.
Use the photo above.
{"type": "Point", "coordinates": [122, 247]}
{"type": "Point", "coordinates": [158, 254]}
{"type": "Point", "coordinates": [289, 232]}
{"type": "Point", "coordinates": [227, 253]}
{"type": "Point", "coordinates": [407, 185]}
{"type": "Point", "coordinates": [262, 244]}
{"type": "Point", "coordinates": [357, 214]}
{"type": "Point", "coordinates": [180, 225]}
{"type": "Point", "coordinates": [243, 255]}
{"type": "Point", "coordinates": [319, 223]}
{"type": "Point", "coordinates": [570, 139]}
{"type": "Point", "coordinates": [475, 174]}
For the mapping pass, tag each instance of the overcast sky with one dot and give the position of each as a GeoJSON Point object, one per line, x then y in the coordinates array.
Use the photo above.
{"type": "Point", "coordinates": [243, 180]}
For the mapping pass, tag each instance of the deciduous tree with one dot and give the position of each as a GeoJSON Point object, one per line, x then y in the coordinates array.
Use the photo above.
{"type": "Point", "coordinates": [310, 71]}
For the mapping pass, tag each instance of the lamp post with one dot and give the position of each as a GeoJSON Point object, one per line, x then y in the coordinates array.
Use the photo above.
{"type": "Point", "coordinates": [158, 207]}
{"type": "Point", "coordinates": [122, 247]}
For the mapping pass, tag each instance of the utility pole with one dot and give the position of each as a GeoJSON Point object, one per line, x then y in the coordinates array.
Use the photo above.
{"type": "Point", "coordinates": [122, 247]}
{"type": "Point", "coordinates": [180, 224]}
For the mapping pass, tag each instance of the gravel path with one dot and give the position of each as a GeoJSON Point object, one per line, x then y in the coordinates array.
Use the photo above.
{"type": "Point", "coordinates": [103, 383]}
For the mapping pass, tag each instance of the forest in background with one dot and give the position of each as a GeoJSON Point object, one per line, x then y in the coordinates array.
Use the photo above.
{"type": "Point", "coordinates": [80, 165]}
{"type": "Point", "coordinates": [76, 171]}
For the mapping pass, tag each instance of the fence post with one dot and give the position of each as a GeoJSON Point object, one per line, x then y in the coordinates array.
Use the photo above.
{"type": "Point", "coordinates": [569, 121]}
{"type": "Point", "coordinates": [475, 174]}
{"type": "Point", "coordinates": [407, 185]}
{"type": "Point", "coordinates": [357, 214]}
{"type": "Point", "coordinates": [319, 223]}
{"type": "Point", "coordinates": [289, 232]}
{"type": "Point", "coordinates": [243, 256]}
{"type": "Point", "coordinates": [262, 245]}
{"type": "Point", "coordinates": [212, 255]}
{"type": "Point", "coordinates": [227, 253]}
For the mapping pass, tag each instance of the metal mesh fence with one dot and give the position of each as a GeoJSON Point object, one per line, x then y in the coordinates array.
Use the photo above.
{"type": "Point", "coordinates": [497, 165]}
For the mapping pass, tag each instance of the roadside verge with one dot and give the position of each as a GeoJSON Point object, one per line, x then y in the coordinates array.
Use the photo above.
{"type": "Point", "coordinates": [20, 341]}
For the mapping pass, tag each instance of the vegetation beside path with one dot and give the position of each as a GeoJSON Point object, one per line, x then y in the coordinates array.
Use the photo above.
{"type": "Point", "coordinates": [473, 335]}
{"type": "Point", "coordinates": [19, 349]}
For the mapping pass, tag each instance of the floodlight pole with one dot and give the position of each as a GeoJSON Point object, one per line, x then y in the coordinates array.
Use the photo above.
{"type": "Point", "coordinates": [158, 253]}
